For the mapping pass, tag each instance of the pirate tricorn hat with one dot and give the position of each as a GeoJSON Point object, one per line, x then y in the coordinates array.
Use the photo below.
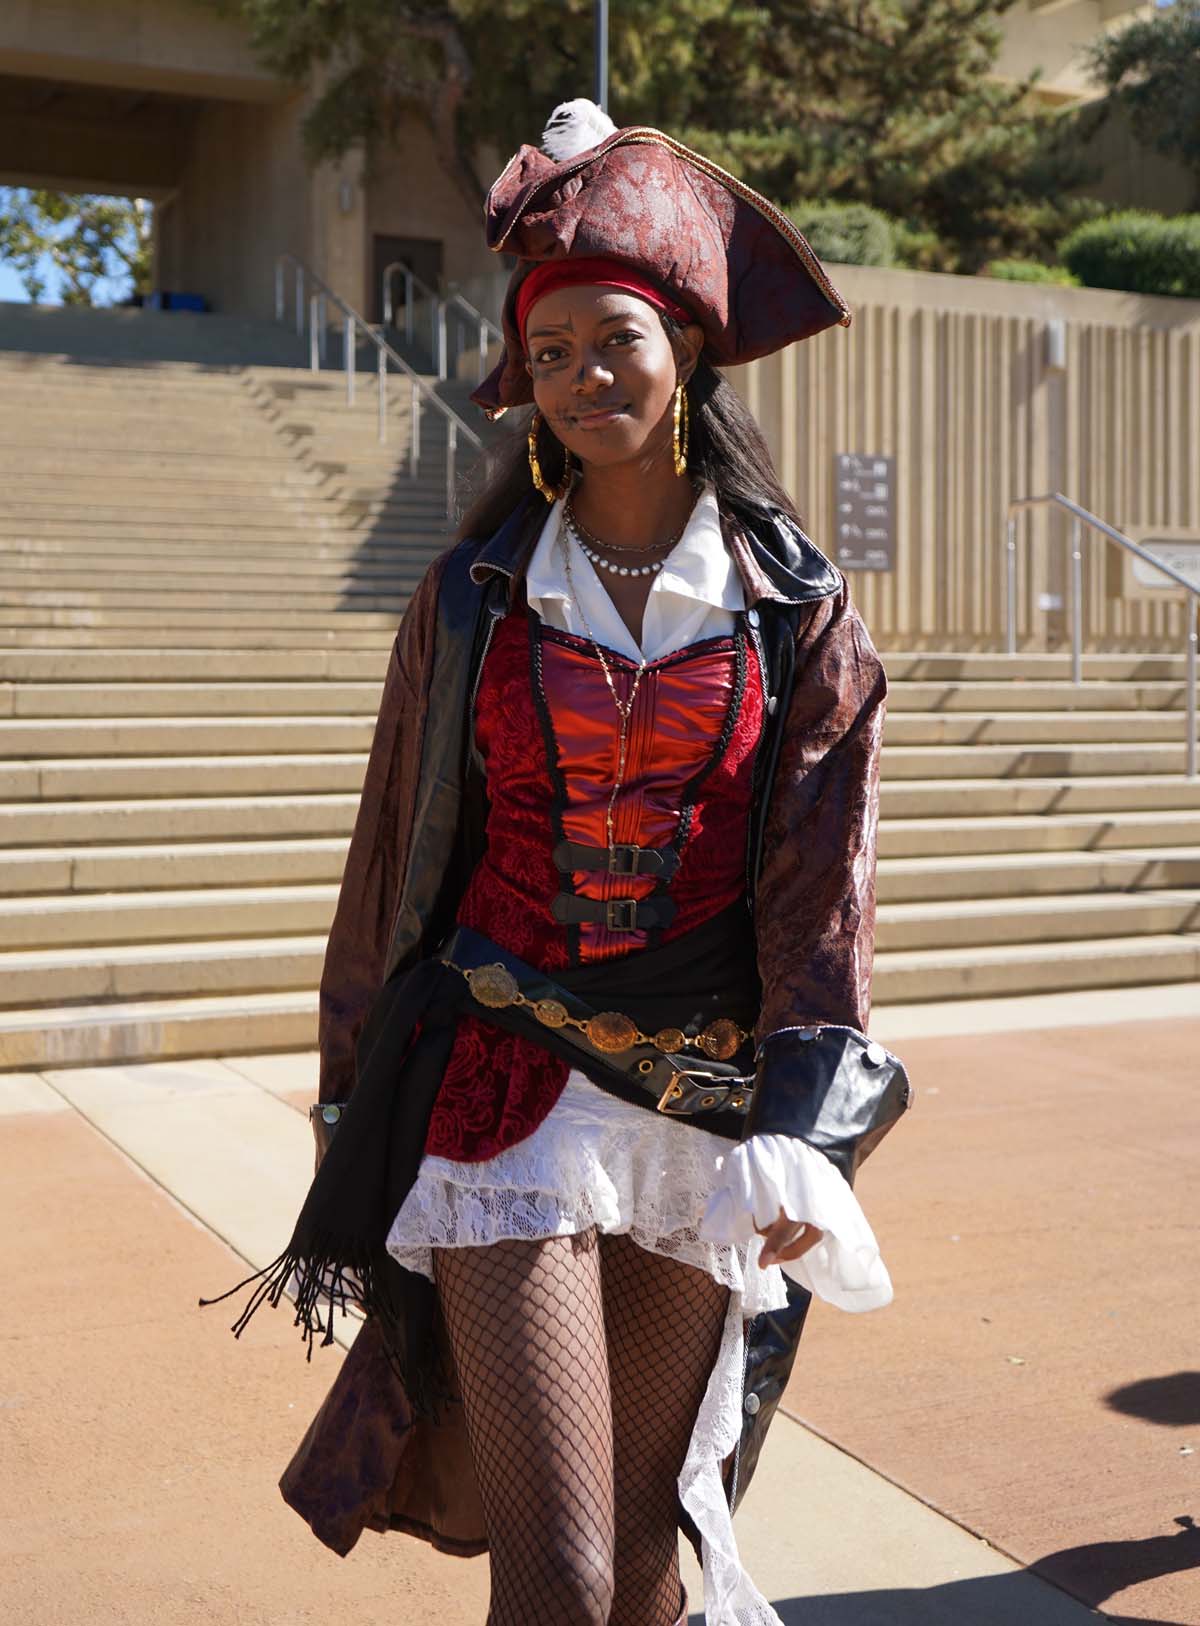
{"type": "Point", "coordinates": [671, 218]}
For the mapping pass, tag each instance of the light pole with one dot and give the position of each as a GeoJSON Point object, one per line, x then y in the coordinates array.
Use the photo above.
{"type": "Point", "coordinates": [601, 97]}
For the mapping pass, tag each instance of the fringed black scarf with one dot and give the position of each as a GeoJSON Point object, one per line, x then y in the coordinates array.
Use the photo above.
{"type": "Point", "coordinates": [338, 1247]}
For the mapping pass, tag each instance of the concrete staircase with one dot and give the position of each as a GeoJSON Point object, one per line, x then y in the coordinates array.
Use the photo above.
{"type": "Point", "coordinates": [201, 570]}
{"type": "Point", "coordinates": [1035, 837]}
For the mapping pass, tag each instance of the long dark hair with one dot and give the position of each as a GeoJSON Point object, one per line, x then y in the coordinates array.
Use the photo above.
{"type": "Point", "coordinates": [726, 448]}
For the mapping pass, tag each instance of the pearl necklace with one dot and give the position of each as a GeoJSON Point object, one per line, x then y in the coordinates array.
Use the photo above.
{"type": "Point", "coordinates": [618, 570]}
{"type": "Point", "coordinates": [584, 537]}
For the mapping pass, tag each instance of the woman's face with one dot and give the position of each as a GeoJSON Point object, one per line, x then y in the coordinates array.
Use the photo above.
{"type": "Point", "coordinates": [604, 372]}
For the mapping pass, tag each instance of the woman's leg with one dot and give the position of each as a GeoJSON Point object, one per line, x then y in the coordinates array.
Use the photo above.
{"type": "Point", "coordinates": [526, 1326]}
{"type": "Point", "coordinates": [664, 1322]}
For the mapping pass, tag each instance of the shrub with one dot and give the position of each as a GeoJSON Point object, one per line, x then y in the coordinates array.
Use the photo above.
{"type": "Point", "coordinates": [1029, 271]}
{"type": "Point", "coordinates": [852, 233]}
{"type": "Point", "coordinates": [919, 249]}
{"type": "Point", "coordinates": [1137, 252]}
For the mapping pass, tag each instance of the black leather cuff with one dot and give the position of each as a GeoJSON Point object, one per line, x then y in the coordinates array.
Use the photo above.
{"type": "Point", "coordinates": [830, 1086]}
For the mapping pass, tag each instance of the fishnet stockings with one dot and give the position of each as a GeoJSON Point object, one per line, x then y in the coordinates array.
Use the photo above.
{"type": "Point", "coordinates": [582, 1363]}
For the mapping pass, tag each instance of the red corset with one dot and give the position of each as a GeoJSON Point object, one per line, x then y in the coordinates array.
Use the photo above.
{"type": "Point", "coordinates": [548, 731]}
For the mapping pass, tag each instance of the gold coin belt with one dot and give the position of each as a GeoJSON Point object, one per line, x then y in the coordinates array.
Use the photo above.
{"type": "Point", "coordinates": [495, 987]}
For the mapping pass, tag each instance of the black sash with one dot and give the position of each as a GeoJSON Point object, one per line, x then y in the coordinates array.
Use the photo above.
{"type": "Point", "coordinates": [338, 1247]}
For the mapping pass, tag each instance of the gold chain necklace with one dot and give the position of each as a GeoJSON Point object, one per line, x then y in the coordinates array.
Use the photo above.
{"type": "Point", "coordinates": [624, 707]}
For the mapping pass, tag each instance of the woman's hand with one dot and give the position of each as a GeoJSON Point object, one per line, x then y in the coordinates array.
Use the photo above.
{"type": "Point", "coordinates": [786, 1239]}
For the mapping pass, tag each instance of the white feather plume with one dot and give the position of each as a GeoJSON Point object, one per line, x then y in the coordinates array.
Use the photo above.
{"type": "Point", "coordinates": [575, 127]}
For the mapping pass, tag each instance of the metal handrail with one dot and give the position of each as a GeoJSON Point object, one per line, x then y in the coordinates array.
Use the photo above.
{"type": "Point", "coordinates": [319, 295]}
{"type": "Point", "coordinates": [439, 304]}
{"type": "Point", "coordinates": [1079, 518]}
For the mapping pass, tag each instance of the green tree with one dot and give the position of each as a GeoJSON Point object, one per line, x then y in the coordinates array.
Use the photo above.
{"type": "Point", "coordinates": [1151, 72]}
{"type": "Point", "coordinates": [87, 240]}
{"type": "Point", "coordinates": [890, 103]}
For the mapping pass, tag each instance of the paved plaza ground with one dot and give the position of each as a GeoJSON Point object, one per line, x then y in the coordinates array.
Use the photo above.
{"type": "Point", "coordinates": [1014, 1442]}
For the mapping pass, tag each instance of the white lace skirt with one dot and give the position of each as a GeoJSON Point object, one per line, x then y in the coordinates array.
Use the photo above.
{"type": "Point", "coordinates": [596, 1160]}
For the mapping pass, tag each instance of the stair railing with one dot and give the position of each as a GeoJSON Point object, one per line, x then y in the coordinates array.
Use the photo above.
{"type": "Point", "coordinates": [440, 306]}
{"type": "Point", "coordinates": [313, 297]}
{"type": "Point", "coordinates": [1080, 517]}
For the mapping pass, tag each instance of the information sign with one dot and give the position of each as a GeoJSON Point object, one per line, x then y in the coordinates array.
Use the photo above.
{"type": "Point", "coordinates": [864, 511]}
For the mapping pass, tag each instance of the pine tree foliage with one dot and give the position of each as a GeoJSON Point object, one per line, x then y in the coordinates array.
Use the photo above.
{"type": "Point", "coordinates": [890, 103]}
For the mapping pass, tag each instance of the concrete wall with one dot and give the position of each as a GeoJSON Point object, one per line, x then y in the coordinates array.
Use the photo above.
{"type": "Point", "coordinates": [168, 45]}
{"type": "Point", "coordinates": [1050, 35]}
{"type": "Point", "coordinates": [949, 375]}
{"type": "Point", "coordinates": [244, 195]}
{"type": "Point", "coordinates": [411, 195]}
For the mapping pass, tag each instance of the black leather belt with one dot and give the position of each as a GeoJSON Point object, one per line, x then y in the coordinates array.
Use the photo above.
{"type": "Point", "coordinates": [624, 859]}
{"type": "Point", "coordinates": [618, 914]}
{"type": "Point", "coordinates": [674, 1084]}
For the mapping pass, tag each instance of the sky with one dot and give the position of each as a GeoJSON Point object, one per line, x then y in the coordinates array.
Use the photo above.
{"type": "Point", "coordinates": [12, 291]}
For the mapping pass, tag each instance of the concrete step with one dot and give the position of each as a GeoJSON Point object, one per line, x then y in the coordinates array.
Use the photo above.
{"type": "Point", "coordinates": [952, 762]}
{"type": "Point", "coordinates": [17, 617]}
{"type": "Point", "coordinates": [1028, 695]}
{"type": "Point", "coordinates": [346, 543]}
{"type": "Point", "coordinates": [109, 481]}
{"type": "Point", "coordinates": [66, 779]}
{"type": "Point", "coordinates": [134, 338]}
{"type": "Point", "coordinates": [90, 976]}
{"type": "Point", "coordinates": [1024, 875]}
{"type": "Point", "coordinates": [945, 839]}
{"type": "Point", "coordinates": [918, 666]}
{"type": "Point", "coordinates": [78, 495]}
{"type": "Point", "coordinates": [904, 977]}
{"type": "Point", "coordinates": [285, 528]}
{"type": "Point", "coordinates": [1041, 728]}
{"type": "Point", "coordinates": [39, 1037]}
{"type": "Point", "coordinates": [257, 597]}
{"type": "Point", "coordinates": [174, 639]}
{"type": "Point", "coordinates": [128, 572]}
{"type": "Point", "coordinates": [141, 867]}
{"type": "Point", "coordinates": [178, 820]}
{"type": "Point", "coordinates": [34, 667]}
{"type": "Point", "coordinates": [107, 701]}
{"type": "Point", "coordinates": [987, 798]}
{"type": "Point", "coordinates": [978, 922]}
{"type": "Point", "coordinates": [167, 916]}
{"type": "Point", "coordinates": [131, 735]}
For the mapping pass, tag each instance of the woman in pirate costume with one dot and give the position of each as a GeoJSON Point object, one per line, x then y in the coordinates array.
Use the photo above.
{"type": "Point", "coordinates": [594, 1077]}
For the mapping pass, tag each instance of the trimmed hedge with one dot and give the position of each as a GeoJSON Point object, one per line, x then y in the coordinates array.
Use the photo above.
{"type": "Point", "coordinates": [849, 233]}
{"type": "Point", "coordinates": [1030, 271]}
{"type": "Point", "coordinates": [1137, 252]}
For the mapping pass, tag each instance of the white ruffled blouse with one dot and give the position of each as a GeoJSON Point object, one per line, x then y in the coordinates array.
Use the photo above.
{"type": "Point", "coordinates": [674, 1187]}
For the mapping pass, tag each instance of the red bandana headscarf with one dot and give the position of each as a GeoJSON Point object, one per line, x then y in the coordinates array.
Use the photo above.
{"type": "Point", "coordinates": [596, 271]}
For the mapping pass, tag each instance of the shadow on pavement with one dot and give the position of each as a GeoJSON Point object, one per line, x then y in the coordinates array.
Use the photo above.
{"type": "Point", "coordinates": [1173, 1400]}
{"type": "Point", "coordinates": [1087, 1575]}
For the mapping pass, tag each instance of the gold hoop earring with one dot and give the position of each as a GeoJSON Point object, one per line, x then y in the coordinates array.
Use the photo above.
{"type": "Point", "coordinates": [679, 435]}
{"type": "Point", "coordinates": [551, 493]}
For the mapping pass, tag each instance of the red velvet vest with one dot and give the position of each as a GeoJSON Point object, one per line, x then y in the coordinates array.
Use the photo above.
{"type": "Point", "coordinates": [547, 731]}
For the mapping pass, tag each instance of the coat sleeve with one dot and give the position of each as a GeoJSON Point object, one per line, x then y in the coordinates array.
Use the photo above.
{"type": "Point", "coordinates": [356, 952]}
{"type": "Point", "coordinates": [815, 900]}
{"type": "Point", "coordinates": [817, 1076]}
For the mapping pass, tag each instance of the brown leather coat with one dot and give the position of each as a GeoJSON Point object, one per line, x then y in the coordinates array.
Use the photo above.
{"type": "Point", "coordinates": [366, 1462]}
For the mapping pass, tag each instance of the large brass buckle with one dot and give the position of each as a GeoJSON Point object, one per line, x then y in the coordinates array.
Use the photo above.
{"type": "Point", "coordinates": [620, 914]}
{"type": "Point", "coordinates": [623, 859]}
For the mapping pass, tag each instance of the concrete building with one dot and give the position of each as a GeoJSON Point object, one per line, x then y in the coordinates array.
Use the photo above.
{"type": "Point", "coordinates": [164, 99]}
